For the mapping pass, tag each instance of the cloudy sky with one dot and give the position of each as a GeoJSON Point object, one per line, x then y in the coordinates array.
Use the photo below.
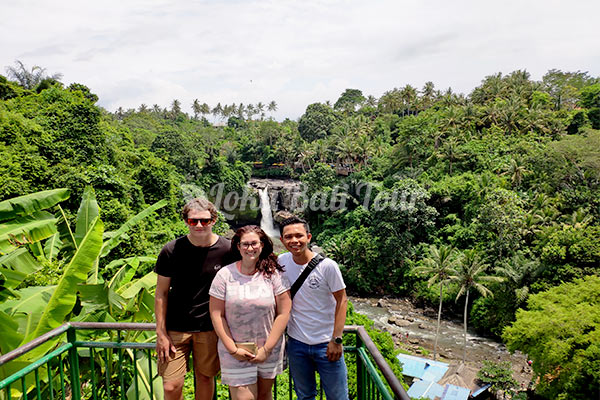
{"type": "Point", "coordinates": [294, 52]}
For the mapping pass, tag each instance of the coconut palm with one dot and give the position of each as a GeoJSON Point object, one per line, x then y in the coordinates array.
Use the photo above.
{"type": "Point", "coordinates": [516, 170]}
{"type": "Point", "coordinates": [196, 107]}
{"type": "Point", "coordinates": [469, 274]}
{"type": "Point", "coordinates": [272, 107]}
{"type": "Point", "coordinates": [439, 266]}
{"type": "Point", "coordinates": [260, 109]}
{"type": "Point", "coordinates": [29, 79]}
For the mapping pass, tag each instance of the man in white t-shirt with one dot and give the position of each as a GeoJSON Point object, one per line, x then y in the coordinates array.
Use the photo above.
{"type": "Point", "coordinates": [317, 320]}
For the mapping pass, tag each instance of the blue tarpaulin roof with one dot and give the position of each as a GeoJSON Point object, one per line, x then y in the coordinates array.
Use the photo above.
{"type": "Point", "coordinates": [431, 390]}
{"type": "Point", "coordinates": [426, 389]}
{"type": "Point", "coordinates": [422, 368]}
{"type": "Point", "coordinates": [452, 392]}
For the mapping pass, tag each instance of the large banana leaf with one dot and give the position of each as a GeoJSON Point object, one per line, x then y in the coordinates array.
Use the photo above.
{"type": "Point", "coordinates": [88, 211]}
{"type": "Point", "coordinates": [28, 204]}
{"type": "Point", "coordinates": [52, 246]}
{"type": "Point", "coordinates": [9, 340]}
{"type": "Point", "coordinates": [63, 299]}
{"type": "Point", "coordinates": [18, 264]}
{"type": "Point", "coordinates": [9, 337]}
{"type": "Point", "coordinates": [28, 307]}
{"type": "Point", "coordinates": [118, 235]}
{"type": "Point", "coordinates": [100, 297]}
{"type": "Point", "coordinates": [131, 289]}
{"type": "Point", "coordinates": [26, 229]}
{"type": "Point", "coordinates": [129, 267]}
{"type": "Point", "coordinates": [145, 378]}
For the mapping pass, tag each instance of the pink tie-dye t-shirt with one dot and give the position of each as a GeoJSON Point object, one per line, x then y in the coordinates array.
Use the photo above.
{"type": "Point", "coordinates": [250, 312]}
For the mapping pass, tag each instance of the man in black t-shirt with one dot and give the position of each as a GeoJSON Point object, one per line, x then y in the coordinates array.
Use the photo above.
{"type": "Point", "coordinates": [186, 267]}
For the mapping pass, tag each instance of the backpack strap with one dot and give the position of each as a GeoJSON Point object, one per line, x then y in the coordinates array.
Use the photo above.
{"type": "Point", "coordinates": [309, 268]}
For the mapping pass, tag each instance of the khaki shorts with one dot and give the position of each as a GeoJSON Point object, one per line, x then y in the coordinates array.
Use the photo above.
{"type": "Point", "coordinates": [202, 345]}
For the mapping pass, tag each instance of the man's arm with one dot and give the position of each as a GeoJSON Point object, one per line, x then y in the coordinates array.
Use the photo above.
{"type": "Point", "coordinates": [334, 351]}
{"type": "Point", "coordinates": [164, 345]}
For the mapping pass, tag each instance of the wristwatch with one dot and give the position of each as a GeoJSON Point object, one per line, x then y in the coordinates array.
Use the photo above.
{"type": "Point", "coordinates": [337, 339]}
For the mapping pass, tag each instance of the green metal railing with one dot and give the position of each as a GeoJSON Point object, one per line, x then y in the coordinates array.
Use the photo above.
{"type": "Point", "coordinates": [117, 361]}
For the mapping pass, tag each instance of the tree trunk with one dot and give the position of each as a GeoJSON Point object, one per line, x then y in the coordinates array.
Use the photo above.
{"type": "Point", "coordinates": [437, 331]}
{"type": "Point", "coordinates": [465, 325]}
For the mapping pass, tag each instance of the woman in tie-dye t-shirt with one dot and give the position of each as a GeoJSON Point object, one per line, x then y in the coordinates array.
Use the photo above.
{"type": "Point", "coordinates": [250, 307]}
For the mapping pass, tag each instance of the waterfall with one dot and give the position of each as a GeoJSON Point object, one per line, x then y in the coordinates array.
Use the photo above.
{"type": "Point", "coordinates": [266, 221]}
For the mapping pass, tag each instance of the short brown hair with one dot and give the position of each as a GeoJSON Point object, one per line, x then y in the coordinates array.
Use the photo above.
{"type": "Point", "coordinates": [199, 204]}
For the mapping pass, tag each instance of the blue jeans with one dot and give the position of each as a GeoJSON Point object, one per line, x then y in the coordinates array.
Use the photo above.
{"type": "Point", "coordinates": [305, 359]}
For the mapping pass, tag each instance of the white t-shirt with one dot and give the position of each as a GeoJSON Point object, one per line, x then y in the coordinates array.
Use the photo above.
{"type": "Point", "coordinates": [313, 306]}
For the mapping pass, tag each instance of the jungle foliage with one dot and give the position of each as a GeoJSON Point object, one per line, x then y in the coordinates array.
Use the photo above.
{"type": "Point", "coordinates": [507, 175]}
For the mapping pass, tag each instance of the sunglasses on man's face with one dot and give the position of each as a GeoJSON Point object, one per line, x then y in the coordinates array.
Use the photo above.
{"type": "Point", "coordinates": [194, 221]}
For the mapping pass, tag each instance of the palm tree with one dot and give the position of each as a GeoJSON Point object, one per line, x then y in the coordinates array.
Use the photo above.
{"type": "Point", "coordinates": [218, 110]}
{"type": "Point", "coordinates": [29, 79]}
{"type": "Point", "coordinates": [197, 108]}
{"type": "Point", "coordinates": [175, 107]}
{"type": "Point", "coordinates": [468, 274]}
{"type": "Point", "coordinates": [439, 266]}
{"type": "Point", "coordinates": [518, 271]}
{"type": "Point", "coordinates": [516, 170]}
{"type": "Point", "coordinates": [450, 152]}
{"type": "Point", "coordinates": [204, 109]}
{"type": "Point", "coordinates": [272, 107]}
{"type": "Point", "coordinates": [260, 109]}
{"type": "Point", "coordinates": [250, 111]}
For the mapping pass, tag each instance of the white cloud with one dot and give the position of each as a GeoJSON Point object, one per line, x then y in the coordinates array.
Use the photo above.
{"type": "Point", "coordinates": [293, 52]}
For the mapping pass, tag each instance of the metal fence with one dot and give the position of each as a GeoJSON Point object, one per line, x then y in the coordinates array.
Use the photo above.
{"type": "Point", "coordinates": [117, 361]}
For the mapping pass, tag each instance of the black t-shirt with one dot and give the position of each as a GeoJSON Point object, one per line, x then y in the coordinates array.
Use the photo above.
{"type": "Point", "coordinates": [191, 269]}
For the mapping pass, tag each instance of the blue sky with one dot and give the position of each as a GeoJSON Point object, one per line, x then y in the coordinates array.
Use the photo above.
{"type": "Point", "coordinates": [293, 52]}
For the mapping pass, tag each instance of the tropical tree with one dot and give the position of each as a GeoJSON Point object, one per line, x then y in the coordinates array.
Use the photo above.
{"type": "Point", "coordinates": [469, 274]}
{"type": "Point", "coordinates": [260, 109]}
{"type": "Point", "coordinates": [217, 110]}
{"type": "Point", "coordinates": [175, 107]}
{"type": "Point", "coordinates": [29, 79]}
{"type": "Point", "coordinates": [197, 108]}
{"type": "Point", "coordinates": [440, 267]}
{"type": "Point", "coordinates": [204, 109]}
{"type": "Point", "coordinates": [516, 170]}
{"type": "Point", "coordinates": [272, 107]}
{"type": "Point", "coordinates": [559, 332]}
{"type": "Point", "coordinates": [29, 312]}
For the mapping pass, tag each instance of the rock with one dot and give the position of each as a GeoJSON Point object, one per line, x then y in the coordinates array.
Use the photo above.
{"type": "Point", "coordinates": [381, 303]}
{"type": "Point", "coordinates": [402, 323]}
{"type": "Point", "coordinates": [413, 341]}
{"type": "Point", "coordinates": [282, 215]}
{"type": "Point", "coordinates": [409, 319]}
{"type": "Point", "coordinates": [419, 351]}
{"type": "Point", "coordinates": [422, 326]}
{"type": "Point", "coordinates": [392, 320]}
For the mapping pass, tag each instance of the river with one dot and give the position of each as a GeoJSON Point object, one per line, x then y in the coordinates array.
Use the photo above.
{"type": "Point", "coordinates": [420, 325]}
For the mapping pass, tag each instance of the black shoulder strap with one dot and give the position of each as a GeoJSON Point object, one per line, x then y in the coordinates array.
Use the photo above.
{"type": "Point", "coordinates": [309, 268]}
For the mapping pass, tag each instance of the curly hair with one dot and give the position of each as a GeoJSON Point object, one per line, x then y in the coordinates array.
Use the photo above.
{"type": "Point", "coordinates": [267, 260]}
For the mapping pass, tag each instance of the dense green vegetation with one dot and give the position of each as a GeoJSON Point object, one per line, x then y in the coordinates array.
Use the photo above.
{"type": "Point", "coordinates": [506, 179]}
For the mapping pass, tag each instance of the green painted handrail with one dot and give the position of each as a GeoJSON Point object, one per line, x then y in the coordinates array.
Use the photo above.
{"type": "Point", "coordinates": [369, 362]}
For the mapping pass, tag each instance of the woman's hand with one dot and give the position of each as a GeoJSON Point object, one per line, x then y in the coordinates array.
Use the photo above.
{"type": "Point", "coordinates": [261, 355]}
{"type": "Point", "coordinates": [243, 355]}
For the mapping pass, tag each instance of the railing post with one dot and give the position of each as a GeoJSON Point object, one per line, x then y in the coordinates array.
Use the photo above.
{"type": "Point", "coordinates": [360, 371]}
{"type": "Point", "coordinates": [74, 361]}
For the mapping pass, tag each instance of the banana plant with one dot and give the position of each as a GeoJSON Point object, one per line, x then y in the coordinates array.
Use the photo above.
{"type": "Point", "coordinates": [29, 312]}
{"type": "Point", "coordinates": [23, 220]}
